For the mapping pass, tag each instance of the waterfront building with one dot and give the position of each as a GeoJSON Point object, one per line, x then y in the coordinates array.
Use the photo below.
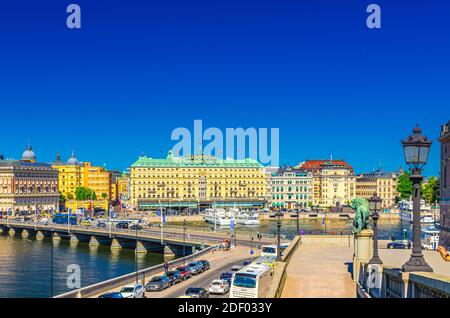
{"type": "Point", "coordinates": [380, 182]}
{"type": "Point", "coordinates": [197, 181]}
{"type": "Point", "coordinates": [290, 188]}
{"type": "Point", "coordinates": [334, 182]}
{"type": "Point", "coordinates": [27, 185]}
{"type": "Point", "coordinates": [74, 174]}
{"type": "Point", "coordinates": [123, 186]}
{"type": "Point", "coordinates": [445, 185]}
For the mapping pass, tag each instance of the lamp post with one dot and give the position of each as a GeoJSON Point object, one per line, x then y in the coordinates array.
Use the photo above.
{"type": "Point", "coordinates": [279, 216]}
{"type": "Point", "coordinates": [416, 148]}
{"type": "Point", "coordinates": [184, 242]}
{"type": "Point", "coordinates": [375, 206]}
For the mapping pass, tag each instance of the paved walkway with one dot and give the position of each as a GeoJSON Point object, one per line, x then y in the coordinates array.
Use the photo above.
{"type": "Point", "coordinates": [316, 271]}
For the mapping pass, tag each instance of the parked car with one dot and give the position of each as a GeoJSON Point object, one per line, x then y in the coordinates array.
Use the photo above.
{"type": "Point", "coordinates": [185, 272]}
{"type": "Point", "coordinates": [246, 263]}
{"type": "Point", "coordinates": [112, 295]}
{"type": "Point", "coordinates": [227, 276]}
{"type": "Point", "coordinates": [133, 291]}
{"type": "Point", "coordinates": [135, 227]}
{"type": "Point", "coordinates": [195, 267]}
{"type": "Point", "coordinates": [174, 276]}
{"type": "Point", "coordinates": [206, 265]}
{"type": "Point", "coordinates": [86, 223]}
{"type": "Point", "coordinates": [402, 244]}
{"type": "Point", "coordinates": [122, 225]}
{"type": "Point", "coordinates": [219, 286]}
{"type": "Point", "coordinates": [196, 292]}
{"type": "Point", "coordinates": [158, 283]}
{"type": "Point", "coordinates": [101, 224]}
{"type": "Point", "coordinates": [236, 268]}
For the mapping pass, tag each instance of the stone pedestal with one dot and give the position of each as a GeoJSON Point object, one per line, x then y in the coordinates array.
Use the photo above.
{"type": "Point", "coordinates": [94, 242]}
{"type": "Point", "coordinates": [363, 251]}
{"type": "Point", "coordinates": [25, 234]}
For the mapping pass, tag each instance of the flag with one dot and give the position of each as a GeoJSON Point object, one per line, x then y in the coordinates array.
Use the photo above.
{"type": "Point", "coordinates": [323, 221]}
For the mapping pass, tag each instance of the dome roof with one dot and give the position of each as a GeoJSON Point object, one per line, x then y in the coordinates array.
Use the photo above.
{"type": "Point", "coordinates": [29, 155]}
{"type": "Point", "coordinates": [73, 161]}
{"type": "Point", "coordinates": [58, 161]}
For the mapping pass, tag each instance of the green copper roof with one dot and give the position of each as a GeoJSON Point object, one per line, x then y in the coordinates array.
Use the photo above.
{"type": "Point", "coordinates": [196, 161]}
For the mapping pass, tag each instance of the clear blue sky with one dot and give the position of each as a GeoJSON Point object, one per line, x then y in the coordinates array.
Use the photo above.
{"type": "Point", "coordinates": [138, 69]}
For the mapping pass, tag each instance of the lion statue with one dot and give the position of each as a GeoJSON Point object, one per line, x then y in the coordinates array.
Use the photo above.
{"type": "Point", "coordinates": [362, 215]}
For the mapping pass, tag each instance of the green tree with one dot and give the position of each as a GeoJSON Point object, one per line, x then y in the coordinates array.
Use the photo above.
{"type": "Point", "coordinates": [430, 192]}
{"type": "Point", "coordinates": [404, 186]}
{"type": "Point", "coordinates": [104, 195]}
{"type": "Point", "coordinates": [62, 198]}
{"type": "Point", "coordinates": [94, 196]}
{"type": "Point", "coordinates": [80, 193]}
{"type": "Point", "coordinates": [69, 196]}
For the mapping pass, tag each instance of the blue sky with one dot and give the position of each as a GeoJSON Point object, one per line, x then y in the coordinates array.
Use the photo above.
{"type": "Point", "coordinates": [139, 69]}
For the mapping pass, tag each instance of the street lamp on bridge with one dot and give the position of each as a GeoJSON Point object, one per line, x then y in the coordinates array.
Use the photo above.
{"type": "Point", "coordinates": [375, 207]}
{"type": "Point", "coordinates": [416, 149]}
{"type": "Point", "coordinates": [279, 216]}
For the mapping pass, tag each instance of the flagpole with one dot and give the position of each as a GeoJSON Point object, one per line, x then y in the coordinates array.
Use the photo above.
{"type": "Point", "coordinates": [35, 217]}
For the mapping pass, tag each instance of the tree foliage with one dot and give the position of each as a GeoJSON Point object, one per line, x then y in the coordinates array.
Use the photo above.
{"type": "Point", "coordinates": [83, 193]}
{"type": "Point", "coordinates": [430, 191]}
{"type": "Point", "coordinates": [404, 186]}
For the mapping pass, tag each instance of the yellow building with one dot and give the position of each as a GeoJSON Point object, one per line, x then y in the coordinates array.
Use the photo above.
{"type": "Point", "coordinates": [123, 184]}
{"type": "Point", "coordinates": [74, 174]}
{"type": "Point", "coordinates": [382, 183]}
{"type": "Point", "coordinates": [197, 181]}
{"type": "Point", "coordinates": [334, 182]}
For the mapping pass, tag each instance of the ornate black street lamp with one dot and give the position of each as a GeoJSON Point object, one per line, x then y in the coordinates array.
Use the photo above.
{"type": "Point", "coordinates": [375, 207]}
{"type": "Point", "coordinates": [279, 216]}
{"type": "Point", "coordinates": [416, 148]}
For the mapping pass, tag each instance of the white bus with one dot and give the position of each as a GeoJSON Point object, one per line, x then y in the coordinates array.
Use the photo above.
{"type": "Point", "coordinates": [271, 250]}
{"type": "Point", "coordinates": [252, 281]}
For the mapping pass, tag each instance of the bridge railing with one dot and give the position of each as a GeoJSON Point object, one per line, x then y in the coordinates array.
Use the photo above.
{"type": "Point", "coordinates": [388, 282]}
{"type": "Point", "coordinates": [142, 275]}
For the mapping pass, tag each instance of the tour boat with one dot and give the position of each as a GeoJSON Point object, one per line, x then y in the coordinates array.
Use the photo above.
{"type": "Point", "coordinates": [246, 218]}
{"type": "Point", "coordinates": [430, 238]}
{"type": "Point", "coordinates": [406, 212]}
{"type": "Point", "coordinates": [218, 216]}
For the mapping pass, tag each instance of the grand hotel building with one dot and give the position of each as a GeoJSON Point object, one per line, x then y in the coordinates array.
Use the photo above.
{"type": "Point", "coordinates": [197, 181]}
{"type": "Point", "coordinates": [27, 185]}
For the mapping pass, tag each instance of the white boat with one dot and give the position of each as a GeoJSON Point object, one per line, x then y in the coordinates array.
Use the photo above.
{"type": "Point", "coordinates": [246, 218]}
{"type": "Point", "coordinates": [425, 218]}
{"type": "Point", "coordinates": [430, 238]}
{"type": "Point", "coordinates": [406, 212]}
{"type": "Point", "coordinates": [218, 217]}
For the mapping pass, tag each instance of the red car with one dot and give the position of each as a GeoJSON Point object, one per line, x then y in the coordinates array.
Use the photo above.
{"type": "Point", "coordinates": [185, 272]}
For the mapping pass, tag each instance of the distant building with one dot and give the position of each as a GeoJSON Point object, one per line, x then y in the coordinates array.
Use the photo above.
{"type": "Point", "coordinates": [380, 182]}
{"type": "Point", "coordinates": [290, 188]}
{"type": "Point", "coordinates": [445, 185]}
{"type": "Point", "coordinates": [27, 185]}
{"type": "Point", "coordinates": [123, 186]}
{"type": "Point", "coordinates": [197, 181]}
{"type": "Point", "coordinates": [334, 182]}
{"type": "Point", "coordinates": [74, 174]}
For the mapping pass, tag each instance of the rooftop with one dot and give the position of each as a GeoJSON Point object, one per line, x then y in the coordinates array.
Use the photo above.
{"type": "Point", "coordinates": [195, 161]}
{"type": "Point", "coordinates": [324, 164]}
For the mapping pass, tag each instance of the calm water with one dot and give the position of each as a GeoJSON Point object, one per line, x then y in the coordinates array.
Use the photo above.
{"type": "Point", "coordinates": [25, 269]}
{"type": "Point", "coordinates": [25, 265]}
